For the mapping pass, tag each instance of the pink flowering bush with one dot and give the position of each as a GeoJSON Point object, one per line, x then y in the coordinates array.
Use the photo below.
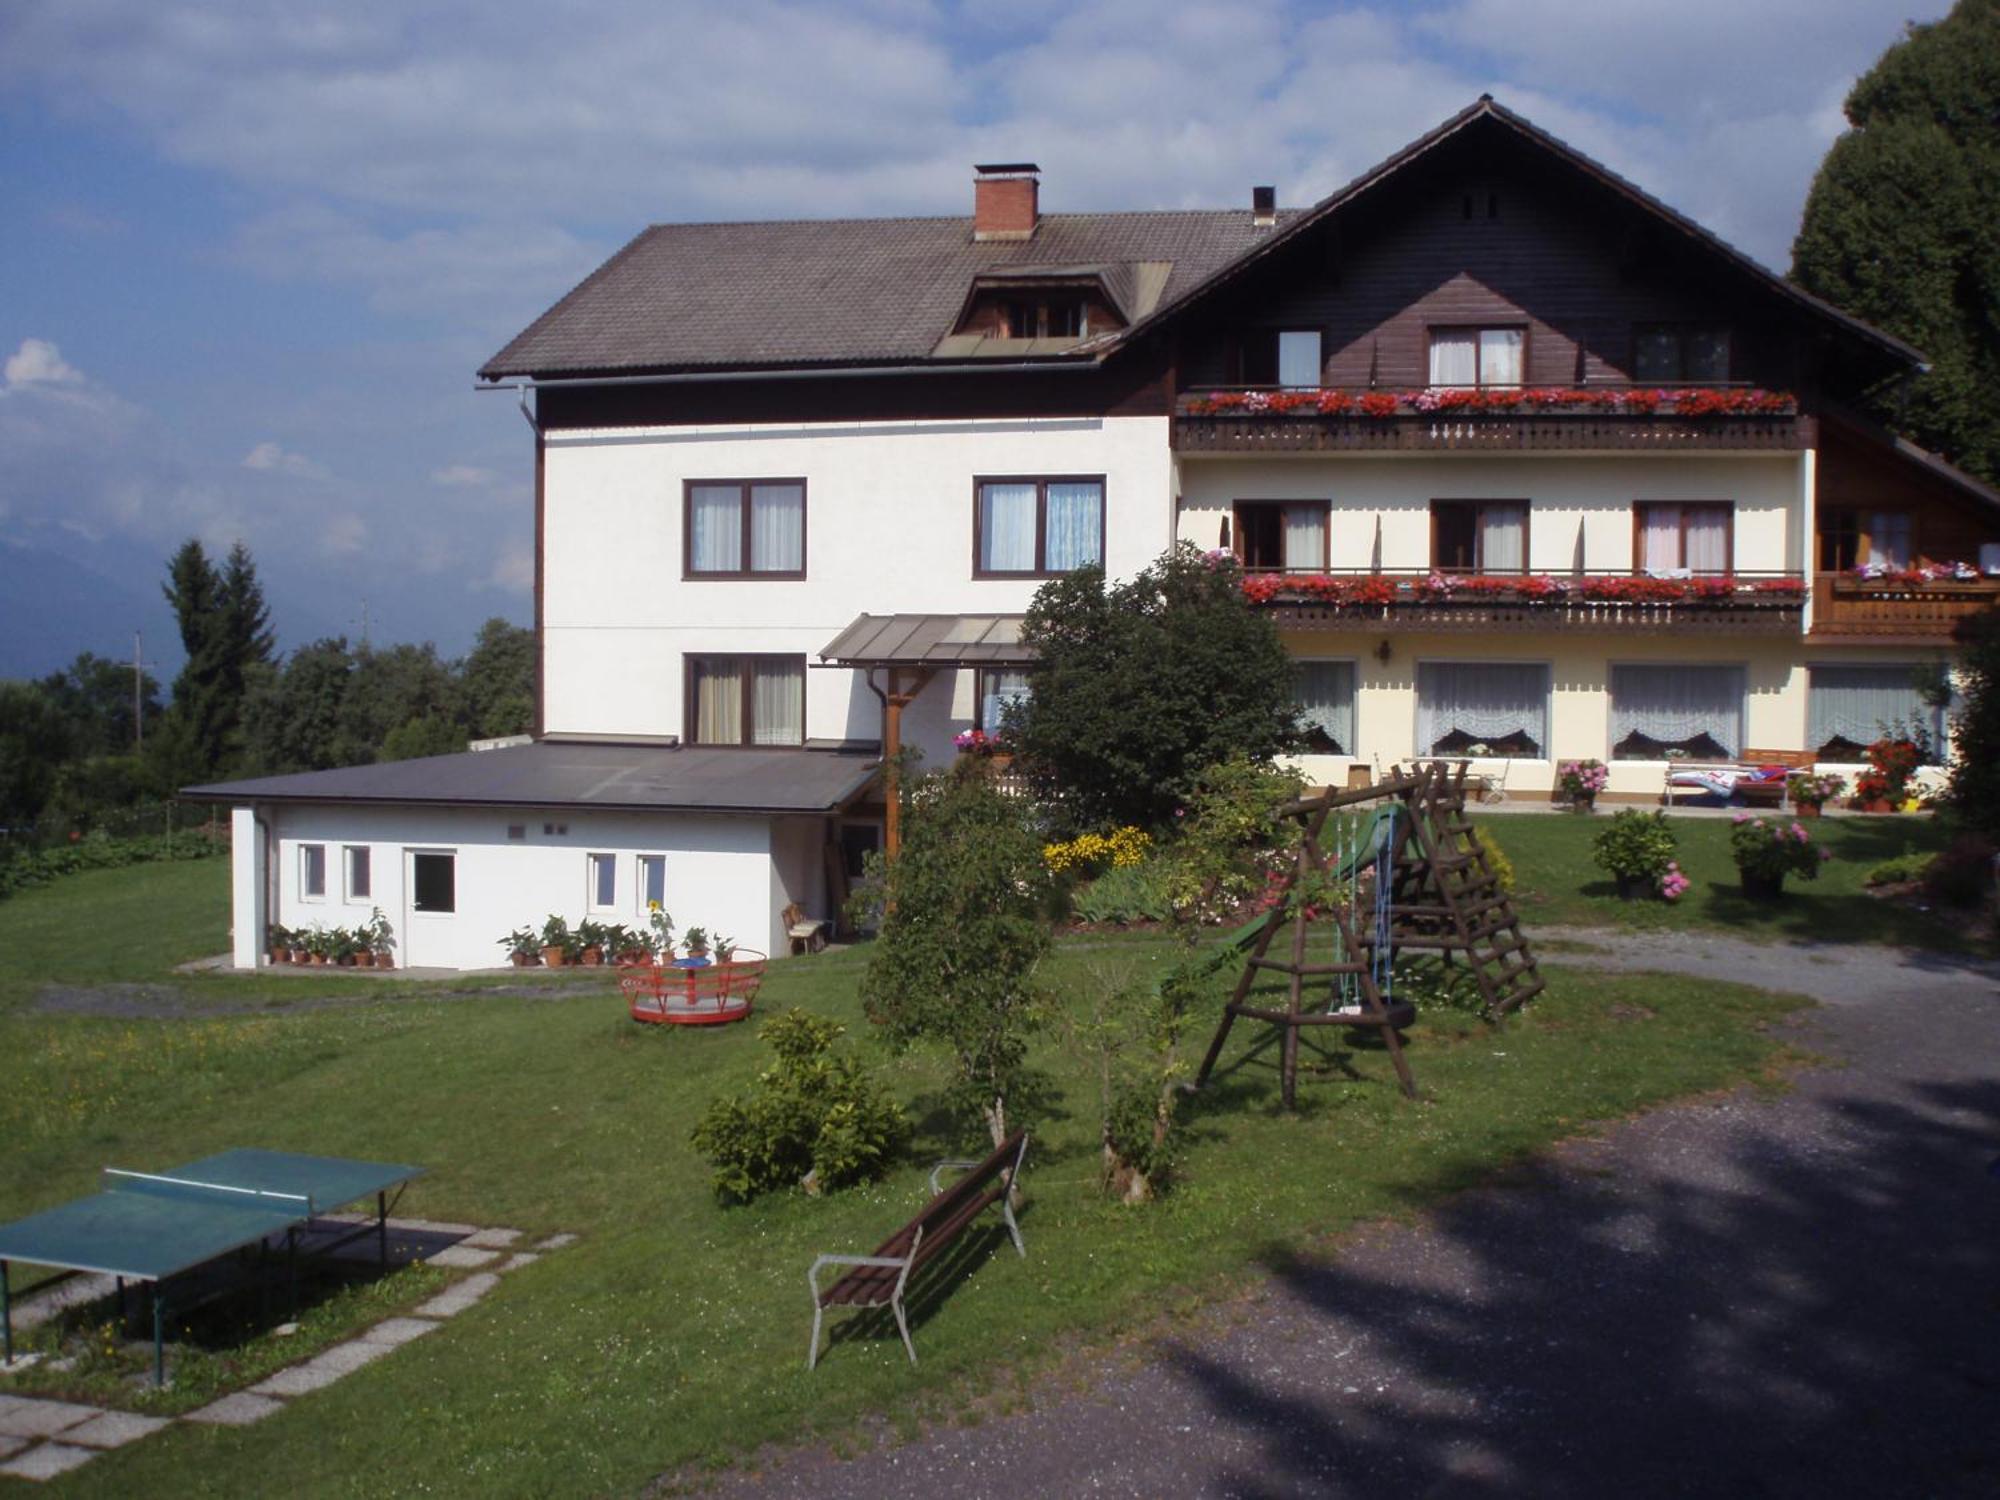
{"type": "Point", "coordinates": [1674, 884]}
{"type": "Point", "coordinates": [1769, 851]}
{"type": "Point", "coordinates": [1582, 778]}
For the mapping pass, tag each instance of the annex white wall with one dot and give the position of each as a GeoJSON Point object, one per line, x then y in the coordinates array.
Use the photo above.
{"type": "Point", "coordinates": [1580, 507]}
{"type": "Point", "coordinates": [889, 529]}
{"type": "Point", "coordinates": [719, 873]}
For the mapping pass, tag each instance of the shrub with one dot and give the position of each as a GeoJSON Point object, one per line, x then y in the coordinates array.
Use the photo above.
{"type": "Point", "coordinates": [1963, 874]}
{"type": "Point", "coordinates": [1132, 894]}
{"type": "Point", "coordinates": [1582, 778]}
{"type": "Point", "coordinates": [98, 851]}
{"type": "Point", "coordinates": [1229, 837]}
{"type": "Point", "coordinates": [1771, 851]}
{"type": "Point", "coordinates": [1496, 859]}
{"type": "Point", "coordinates": [1813, 789]}
{"type": "Point", "coordinates": [1635, 845]}
{"type": "Point", "coordinates": [814, 1121]}
{"type": "Point", "coordinates": [1901, 870]}
{"type": "Point", "coordinates": [1894, 762]}
{"type": "Point", "coordinates": [1120, 849]}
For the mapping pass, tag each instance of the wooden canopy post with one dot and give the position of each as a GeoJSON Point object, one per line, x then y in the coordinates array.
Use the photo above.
{"type": "Point", "coordinates": [898, 696]}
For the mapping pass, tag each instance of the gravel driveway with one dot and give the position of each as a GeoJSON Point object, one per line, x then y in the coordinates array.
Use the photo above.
{"type": "Point", "coordinates": [1740, 1296]}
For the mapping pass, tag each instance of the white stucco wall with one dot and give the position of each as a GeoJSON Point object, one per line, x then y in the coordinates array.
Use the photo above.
{"type": "Point", "coordinates": [889, 529]}
{"type": "Point", "coordinates": [720, 873]}
{"type": "Point", "coordinates": [1580, 507]}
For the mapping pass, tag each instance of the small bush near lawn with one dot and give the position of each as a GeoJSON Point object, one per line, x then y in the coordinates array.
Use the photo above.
{"type": "Point", "coordinates": [1135, 894]}
{"type": "Point", "coordinates": [98, 851]}
{"type": "Point", "coordinates": [1901, 870]}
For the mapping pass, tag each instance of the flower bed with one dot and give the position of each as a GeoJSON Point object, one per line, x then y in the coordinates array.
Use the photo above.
{"type": "Point", "coordinates": [1377, 589]}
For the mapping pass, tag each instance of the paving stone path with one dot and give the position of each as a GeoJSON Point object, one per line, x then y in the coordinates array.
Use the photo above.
{"type": "Point", "coordinates": [40, 1439]}
{"type": "Point", "coordinates": [1758, 1294]}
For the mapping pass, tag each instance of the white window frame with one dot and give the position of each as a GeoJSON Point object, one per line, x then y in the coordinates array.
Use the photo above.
{"type": "Point", "coordinates": [410, 856]}
{"type": "Point", "coordinates": [645, 861]}
{"type": "Point", "coordinates": [347, 891]}
{"type": "Point", "coordinates": [594, 864]}
{"type": "Point", "coordinates": [1318, 338]}
{"type": "Point", "coordinates": [306, 892]}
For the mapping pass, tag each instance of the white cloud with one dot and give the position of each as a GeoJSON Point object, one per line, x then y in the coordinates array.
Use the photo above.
{"type": "Point", "coordinates": [452, 475]}
{"type": "Point", "coordinates": [39, 362]}
{"type": "Point", "coordinates": [513, 571]}
{"type": "Point", "coordinates": [345, 533]}
{"type": "Point", "coordinates": [272, 458]}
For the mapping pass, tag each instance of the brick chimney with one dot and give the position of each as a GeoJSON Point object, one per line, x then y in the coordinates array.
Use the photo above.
{"type": "Point", "coordinates": [1005, 200]}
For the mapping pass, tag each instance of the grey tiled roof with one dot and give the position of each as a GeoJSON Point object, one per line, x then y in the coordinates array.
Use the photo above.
{"type": "Point", "coordinates": [556, 773]}
{"type": "Point", "coordinates": [835, 291]}
{"type": "Point", "coordinates": [928, 640]}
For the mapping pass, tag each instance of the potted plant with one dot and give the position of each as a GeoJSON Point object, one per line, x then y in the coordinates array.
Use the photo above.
{"type": "Point", "coordinates": [524, 947]}
{"type": "Point", "coordinates": [1636, 849]}
{"type": "Point", "coordinates": [301, 945]}
{"type": "Point", "coordinates": [695, 943]}
{"type": "Point", "coordinates": [342, 949]}
{"type": "Point", "coordinates": [1581, 781]}
{"type": "Point", "coordinates": [1766, 853]}
{"type": "Point", "coordinates": [590, 942]}
{"type": "Point", "coordinates": [626, 947]}
{"type": "Point", "coordinates": [380, 939]}
{"type": "Point", "coordinates": [725, 949]}
{"type": "Point", "coordinates": [319, 946]}
{"type": "Point", "coordinates": [1886, 785]}
{"type": "Point", "coordinates": [558, 942]}
{"type": "Point", "coordinates": [1809, 791]}
{"type": "Point", "coordinates": [660, 932]}
{"type": "Point", "coordinates": [278, 941]}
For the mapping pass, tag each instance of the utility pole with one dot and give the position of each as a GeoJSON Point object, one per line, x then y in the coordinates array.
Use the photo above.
{"type": "Point", "coordinates": [138, 694]}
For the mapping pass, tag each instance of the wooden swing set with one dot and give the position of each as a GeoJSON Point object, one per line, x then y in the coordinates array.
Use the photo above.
{"type": "Point", "coordinates": [1414, 877]}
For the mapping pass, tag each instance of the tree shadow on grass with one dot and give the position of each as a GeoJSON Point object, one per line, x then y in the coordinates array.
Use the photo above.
{"type": "Point", "coordinates": [1804, 1314]}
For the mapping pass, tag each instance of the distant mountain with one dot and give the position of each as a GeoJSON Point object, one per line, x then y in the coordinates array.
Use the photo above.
{"type": "Point", "coordinates": [52, 607]}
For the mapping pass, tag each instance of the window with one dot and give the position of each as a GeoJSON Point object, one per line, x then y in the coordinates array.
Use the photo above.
{"type": "Point", "coordinates": [1479, 536]}
{"type": "Point", "coordinates": [1657, 708]}
{"type": "Point", "coordinates": [1483, 708]}
{"type": "Point", "coordinates": [1299, 357]}
{"type": "Point", "coordinates": [1849, 538]}
{"type": "Point", "coordinates": [1062, 315]}
{"type": "Point", "coordinates": [1036, 527]}
{"type": "Point", "coordinates": [1680, 353]}
{"type": "Point", "coordinates": [1477, 356]}
{"type": "Point", "coordinates": [312, 871]}
{"type": "Point", "coordinates": [603, 882]}
{"type": "Point", "coordinates": [434, 883]}
{"type": "Point", "coordinates": [1283, 534]}
{"type": "Point", "coordinates": [998, 688]}
{"type": "Point", "coordinates": [1679, 537]}
{"type": "Point", "coordinates": [359, 879]}
{"type": "Point", "coordinates": [747, 700]}
{"type": "Point", "coordinates": [1849, 707]}
{"type": "Point", "coordinates": [752, 528]}
{"type": "Point", "coordinates": [1326, 705]}
{"type": "Point", "coordinates": [652, 882]}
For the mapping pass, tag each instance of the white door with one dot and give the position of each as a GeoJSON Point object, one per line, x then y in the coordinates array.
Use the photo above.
{"type": "Point", "coordinates": [430, 907]}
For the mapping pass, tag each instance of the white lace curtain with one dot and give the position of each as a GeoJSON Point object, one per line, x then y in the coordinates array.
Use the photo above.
{"type": "Point", "coordinates": [1661, 530]}
{"type": "Point", "coordinates": [1673, 704]}
{"type": "Point", "coordinates": [715, 528]}
{"type": "Point", "coordinates": [777, 528]}
{"type": "Point", "coordinates": [1503, 538]}
{"type": "Point", "coordinates": [997, 690]}
{"type": "Point", "coordinates": [1075, 523]}
{"type": "Point", "coordinates": [1486, 700]}
{"type": "Point", "coordinates": [1326, 704]}
{"type": "Point", "coordinates": [777, 702]}
{"type": "Point", "coordinates": [1477, 356]}
{"type": "Point", "coordinates": [1007, 528]}
{"type": "Point", "coordinates": [1858, 704]}
{"type": "Point", "coordinates": [1305, 537]}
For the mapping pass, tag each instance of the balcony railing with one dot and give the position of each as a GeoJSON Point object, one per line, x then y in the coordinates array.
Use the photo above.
{"type": "Point", "coordinates": [1893, 609]}
{"type": "Point", "coordinates": [1768, 603]}
{"type": "Point", "coordinates": [1601, 417]}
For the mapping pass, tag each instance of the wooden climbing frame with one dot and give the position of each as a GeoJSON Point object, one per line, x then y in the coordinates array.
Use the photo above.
{"type": "Point", "coordinates": [1444, 897]}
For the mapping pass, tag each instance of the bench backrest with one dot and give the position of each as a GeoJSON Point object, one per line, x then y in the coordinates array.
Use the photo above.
{"type": "Point", "coordinates": [958, 1205]}
{"type": "Point", "coordinates": [1796, 759]}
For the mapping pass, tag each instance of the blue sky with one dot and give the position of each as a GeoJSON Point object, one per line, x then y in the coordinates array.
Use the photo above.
{"type": "Point", "coordinates": [255, 250]}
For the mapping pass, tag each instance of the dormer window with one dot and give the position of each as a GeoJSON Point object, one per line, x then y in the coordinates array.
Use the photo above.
{"type": "Point", "coordinates": [1058, 315]}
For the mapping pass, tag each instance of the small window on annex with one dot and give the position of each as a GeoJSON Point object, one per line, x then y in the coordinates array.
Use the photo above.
{"type": "Point", "coordinates": [312, 871]}
{"type": "Point", "coordinates": [652, 882]}
{"type": "Point", "coordinates": [434, 883]}
{"type": "Point", "coordinates": [1288, 536]}
{"type": "Point", "coordinates": [1037, 527]}
{"type": "Point", "coordinates": [359, 875]}
{"type": "Point", "coordinates": [1676, 538]}
{"type": "Point", "coordinates": [1483, 708]}
{"type": "Point", "coordinates": [998, 689]}
{"type": "Point", "coordinates": [1680, 353]}
{"type": "Point", "coordinates": [747, 700]}
{"type": "Point", "coordinates": [603, 882]}
{"type": "Point", "coordinates": [1326, 705]}
{"type": "Point", "coordinates": [1478, 356]}
{"type": "Point", "coordinates": [1479, 536]}
{"type": "Point", "coordinates": [1693, 709]}
{"type": "Point", "coordinates": [1849, 707]}
{"type": "Point", "coordinates": [746, 528]}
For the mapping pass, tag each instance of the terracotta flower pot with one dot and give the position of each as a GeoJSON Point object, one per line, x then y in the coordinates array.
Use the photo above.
{"type": "Point", "coordinates": [385, 960]}
{"type": "Point", "coordinates": [1877, 805]}
{"type": "Point", "coordinates": [554, 956]}
{"type": "Point", "coordinates": [300, 956]}
{"type": "Point", "coordinates": [281, 955]}
{"type": "Point", "coordinates": [365, 960]}
{"type": "Point", "coordinates": [591, 958]}
{"type": "Point", "coordinates": [1806, 809]}
{"type": "Point", "coordinates": [523, 960]}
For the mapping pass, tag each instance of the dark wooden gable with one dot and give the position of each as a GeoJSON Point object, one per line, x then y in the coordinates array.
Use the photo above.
{"type": "Point", "coordinates": [1490, 228]}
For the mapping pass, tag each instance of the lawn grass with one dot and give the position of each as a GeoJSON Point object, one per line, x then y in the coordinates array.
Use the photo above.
{"type": "Point", "coordinates": [1556, 881]}
{"type": "Point", "coordinates": [673, 1333]}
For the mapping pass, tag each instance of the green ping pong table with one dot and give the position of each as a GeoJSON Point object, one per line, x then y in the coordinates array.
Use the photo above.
{"type": "Point", "coordinates": [149, 1226]}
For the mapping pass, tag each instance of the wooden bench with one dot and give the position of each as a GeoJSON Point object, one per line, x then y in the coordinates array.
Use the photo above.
{"type": "Point", "coordinates": [879, 1280]}
{"type": "Point", "coordinates": [1770, 792]}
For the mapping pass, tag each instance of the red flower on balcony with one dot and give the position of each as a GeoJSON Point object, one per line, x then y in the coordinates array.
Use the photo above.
{"type": "Point", "coordinates": [1378, 404]}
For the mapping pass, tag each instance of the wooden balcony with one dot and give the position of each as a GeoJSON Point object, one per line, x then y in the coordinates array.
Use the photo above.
{"type": "Point", "coordinates": [1733, 604]}
{"type": "Point", "coordinates": [1593, 418]}
{"type": "Point", "coordinates": [1874, 611]}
